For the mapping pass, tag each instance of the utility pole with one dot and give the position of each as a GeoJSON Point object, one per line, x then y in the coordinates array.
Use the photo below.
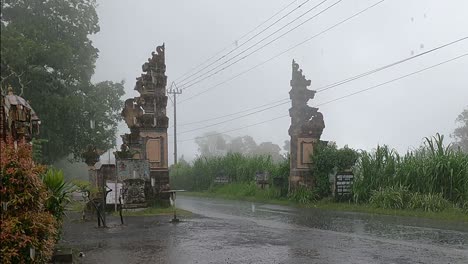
{"type": "Point", "coordinates": [174, 90]}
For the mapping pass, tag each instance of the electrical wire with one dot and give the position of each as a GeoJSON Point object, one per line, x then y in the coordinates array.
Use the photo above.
{"type": "Point", "coordinates": [229, 120]}
{"type": "Point", "coordinates": [335, 84]}
{"type": "Point", "coordinates": [195, 81]}
{"type": "Point", "coordinates": [342, 97]}
{"type": "Point", "coordinates": [283, 52]}
{"type": "Point", "coordinates": [237, 47]}
{"type": "Point", "coordinates": [232, 114]}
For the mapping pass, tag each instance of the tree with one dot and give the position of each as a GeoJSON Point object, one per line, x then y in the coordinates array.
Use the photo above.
{"type": "Point", "coordinates": [47, 56]}
{"type": "Point", "coordinates": [245, 145]}
{"type": "Point", "coordinates": [461, 133]}
{"type": "Point", "coordinates": [268, 148]}
{"type": "Point", "coordinates": [212, 144]}
{"type": "Point", "coordinates": [287, 146]}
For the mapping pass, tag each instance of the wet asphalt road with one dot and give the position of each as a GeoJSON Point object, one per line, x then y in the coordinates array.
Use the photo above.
{"type": "Point", "coordinates": [222, 231]}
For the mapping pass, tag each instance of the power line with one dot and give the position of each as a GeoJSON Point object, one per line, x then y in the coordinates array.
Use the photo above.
{"type": "Point", "coordinates": [232, 114]}
{"type": "Point", "coordinates": [227, 131]}
{"type": "Point", "coordinates": [335, 84]}
{"type": "Point", "coordinates": [238, 39]}
{"type": "Point", "coordinates": [343, 97]}
{"type": "Point", "coordinates": [394, 80]}
{"type": "Point", "coordinates": [189, 84]}
{"type": "Point", "coordinates": [228, 120]}
{"type": "Point", "coordinates": [327, 87]}
{"type": "Point", "coordinates": [237, 47]}
{"type": "Point", "coordinates": [283, 52]}
{"type": "Point", "coordinates": [248, 41]}
{"type": "Point", "coordinates": [284, 8]}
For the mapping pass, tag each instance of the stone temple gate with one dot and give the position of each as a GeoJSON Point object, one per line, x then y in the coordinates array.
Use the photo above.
{"type": "Point", "coordinates": [142, 163]}
{"type": "Point", "coordinates": [306, 128]}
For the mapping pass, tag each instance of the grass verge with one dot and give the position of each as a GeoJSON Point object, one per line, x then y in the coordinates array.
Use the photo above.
{"type": "Point", "coordinates": [450, 214]}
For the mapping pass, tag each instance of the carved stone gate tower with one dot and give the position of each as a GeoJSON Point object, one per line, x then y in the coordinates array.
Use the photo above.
{"type": "Point", "coordinates": [145, 148]}
{"type": "Point", "coordinates": [306, 128]}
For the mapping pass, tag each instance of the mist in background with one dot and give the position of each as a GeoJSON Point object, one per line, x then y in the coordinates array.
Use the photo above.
{"type": "Point", "coordinates": [399, 114]}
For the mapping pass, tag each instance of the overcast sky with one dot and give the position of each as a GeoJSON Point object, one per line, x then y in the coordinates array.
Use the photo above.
{"type": "Point", "coordinates": [399, 114]}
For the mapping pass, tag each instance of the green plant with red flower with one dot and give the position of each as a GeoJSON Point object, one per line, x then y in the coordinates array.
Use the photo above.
{"type": "Point", "coordinates": [26, 224]}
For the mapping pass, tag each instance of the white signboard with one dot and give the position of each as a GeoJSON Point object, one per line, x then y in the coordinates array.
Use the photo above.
{"type": "Point", "coordinates": [111, 198]}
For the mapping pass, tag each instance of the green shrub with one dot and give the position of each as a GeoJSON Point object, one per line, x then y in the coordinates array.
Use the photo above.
{"type": "Point", "coordinates": [326, 159]}
{"type": "Point", "coordinates": [250, 189]}
{"type": "Point", "coordinates": [464, 207]}
{"type": "Point", "coordinates": [59, 190]}
{"type": "Point", "coordinates": [390, 198]}
{"type": "Point", "coordinates": [428, 202]}
{"type": "Point", "coordinates": [303, 195]}
{"type": "Point", "coordinates": [25, 222]}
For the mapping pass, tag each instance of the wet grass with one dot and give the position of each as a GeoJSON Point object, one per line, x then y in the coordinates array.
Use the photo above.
{"type": "Point", "coordinates": [151, 211]}
{"type": "Point", "coordinates": [449, 214]}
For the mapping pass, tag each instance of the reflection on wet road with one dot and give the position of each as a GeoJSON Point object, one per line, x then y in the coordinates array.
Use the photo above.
{"type": "Point", "coordinates": [222, 231]}
{"type": "Point", "coordinates": [282, 234]}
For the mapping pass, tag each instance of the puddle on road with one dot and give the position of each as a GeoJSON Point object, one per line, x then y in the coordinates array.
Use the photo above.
{"type": "Point", "coordinates": [425, 231]}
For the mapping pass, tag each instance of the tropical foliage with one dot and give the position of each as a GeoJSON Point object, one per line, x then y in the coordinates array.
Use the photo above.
{"type": "Point", "coordinates": [238, 168]}
{"type": "Point", "coordinates": [431, 173]}
{"type": "Point", "coordinates": [399, 197]}
{"type": "Point", "coordinates": [49, 59]}
{"type": "Point", "coordinates": [59, 192]}
{"type": "Point", "coordinates": [26, 223]}
{"type": "Point", "coordinates": [431, 178]}
{"type": "Point", "coordinates": [328, 159]}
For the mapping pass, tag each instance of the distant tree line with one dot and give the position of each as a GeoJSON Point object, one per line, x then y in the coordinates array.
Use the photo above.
{"type": "Point", "coordinates": [214, 144]}
{"type": "Point", "coordinates": [461, 132]}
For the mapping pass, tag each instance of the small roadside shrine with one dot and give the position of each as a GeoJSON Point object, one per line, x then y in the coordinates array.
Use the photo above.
{"type": "Point", "coordinates": [17, 118]}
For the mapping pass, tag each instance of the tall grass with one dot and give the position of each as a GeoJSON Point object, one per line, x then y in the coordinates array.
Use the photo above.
{"type": "Point", "coordinates": [374, 171]}
{"type": "Point", "coordinates": [432, 169]}
{"type": "Point", "coordinates": [238, 168]}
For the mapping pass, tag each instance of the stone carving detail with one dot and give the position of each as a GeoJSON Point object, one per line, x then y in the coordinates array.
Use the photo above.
{"type": "Point", "coordinates": [133, 191]}
{"type": "Point", "coordinates": [307, 125]}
